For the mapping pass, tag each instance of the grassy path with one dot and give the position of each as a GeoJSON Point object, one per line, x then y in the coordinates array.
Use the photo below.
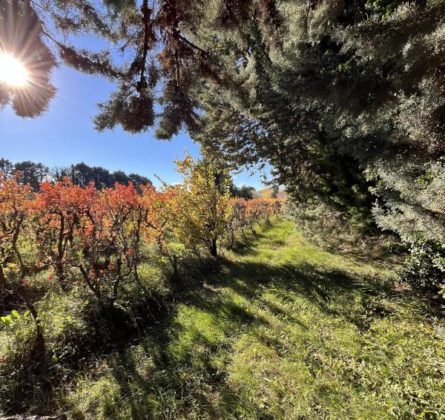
{"type": "Point", "coordinates": [283, 331]}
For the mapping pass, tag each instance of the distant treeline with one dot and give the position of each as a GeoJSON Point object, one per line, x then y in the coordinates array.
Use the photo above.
{"type": "Point", "coordinates": [34, 173]}
{"type": "Point", "coordinates": [81, 174]}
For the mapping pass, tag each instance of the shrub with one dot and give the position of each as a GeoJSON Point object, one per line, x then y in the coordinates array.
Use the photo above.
{"type": "Point", "coordinates": [425, 267]}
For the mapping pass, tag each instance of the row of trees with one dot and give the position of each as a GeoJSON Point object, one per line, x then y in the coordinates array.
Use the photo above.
{"type": "Point", "coordinates": [34, 173]}
{"type": "Point", "coordinates": [96, 237]}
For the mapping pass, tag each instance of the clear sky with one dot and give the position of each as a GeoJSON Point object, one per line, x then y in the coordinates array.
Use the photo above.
{"type": "Point", "coordinates": [65, 135]}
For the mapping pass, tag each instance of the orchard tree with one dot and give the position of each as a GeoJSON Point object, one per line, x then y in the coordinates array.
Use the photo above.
{"type": "Point", "coordinates": [108, 237]}
{"type": "Point", "coordinates": [125, 216]}
{"type": "Point", "coordinates": [15, 201]}
{"type": "Point", "coordinates": [160, 208]}
{"type": "Point", "coordinates": [57, 211]}
{"type": "Point", "coordinates": [158, 214]}
{"type": "Point", "coordinates": [248, 212]}
{"type": "Point", "coordinates": [237, 220]}
{"type": "Point", "coordinates": [201, 205]}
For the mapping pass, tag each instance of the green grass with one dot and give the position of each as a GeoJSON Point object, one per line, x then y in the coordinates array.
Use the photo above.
{"type": "Point", "coordinates": [284, 331]}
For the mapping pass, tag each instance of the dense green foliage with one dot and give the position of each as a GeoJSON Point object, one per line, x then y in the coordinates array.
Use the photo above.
{"type": "Point", "coordinates": [283, 330]}
{"type": "Point", "coordinates": [244, 191]}
{"type": "Point", "coordinates": [82, 174]}
{"type": "Point", "coordinates": [425, 267]}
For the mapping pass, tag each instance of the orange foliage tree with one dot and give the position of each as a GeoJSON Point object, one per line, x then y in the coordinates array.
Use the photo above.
{"type": "Point", "coordinates": [238, 219]}
{"type": "Point", "coordinates": [57, 210]}
{"type": "Point", "coordinates": [96, 232]}
{"type": "Point", "coordinates": [107, 238]}
{"type": "Point", "coordinates": [15, 200]}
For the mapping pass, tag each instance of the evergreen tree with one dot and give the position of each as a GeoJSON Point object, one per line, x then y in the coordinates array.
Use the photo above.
{"type": "Point", "coordinates": [244, 191]}
{"type": "Point", "coordinates": [31, 173]}
{"type": "Point", "coordinates": [81, 174]}
{"type": "Point", "coordinates": [6, 167]}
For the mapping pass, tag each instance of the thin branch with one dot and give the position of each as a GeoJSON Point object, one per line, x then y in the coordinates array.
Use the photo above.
{"type": "Point", "coordinates": [146, 20]}
{"type": "Point", "coordinates": [192, 45]}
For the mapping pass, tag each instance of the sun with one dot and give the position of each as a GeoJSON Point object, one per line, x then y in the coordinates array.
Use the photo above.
{"type": "Point", "coordinates": [12, 71]}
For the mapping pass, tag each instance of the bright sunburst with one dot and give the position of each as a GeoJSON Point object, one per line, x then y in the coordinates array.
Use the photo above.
{"type": "Point", "coordinates": [12, 71]}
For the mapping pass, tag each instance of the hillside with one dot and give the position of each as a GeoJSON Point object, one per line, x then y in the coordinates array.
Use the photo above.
{"type": "Point", "coordinates": [285, 330]}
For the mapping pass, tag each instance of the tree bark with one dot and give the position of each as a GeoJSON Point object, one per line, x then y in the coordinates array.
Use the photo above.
{"type": "Point", "coordinates": [214, 248]}
{"type": "Point", "coordinates": [22, 293]}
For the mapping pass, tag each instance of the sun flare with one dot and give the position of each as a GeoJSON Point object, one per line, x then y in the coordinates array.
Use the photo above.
{"type": "Point", "coordinates": [12, 71]}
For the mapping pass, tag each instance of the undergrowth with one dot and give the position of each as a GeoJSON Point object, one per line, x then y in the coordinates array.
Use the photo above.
{"type": "Point", "coordinates": [282, 330]}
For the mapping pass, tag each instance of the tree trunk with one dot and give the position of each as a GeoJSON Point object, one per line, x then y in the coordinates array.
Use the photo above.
{"type": "Point", "coordinates": [174, 263]}
{"type": "Point", "coordinates": [2, 280]}
{"type": "Point", "coordinates": [214, 248]}
{"type": "Point", "coordinates": [60, 254]}
{"type": "Point", "coordinates": [2, 288]}
{"type": "Point", "coordinates": [243, 233]}
{"type": "Point", "coordinates": [60, 274]}
{"type": "Point", "coordinates": [22, 293]}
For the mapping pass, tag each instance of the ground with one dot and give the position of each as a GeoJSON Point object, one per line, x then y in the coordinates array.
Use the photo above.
{"type": "Point", "coordinates": [284, 330]}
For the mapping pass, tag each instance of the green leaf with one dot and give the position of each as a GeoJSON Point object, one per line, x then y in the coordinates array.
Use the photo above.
{"type": "Point", "coordinates": [7, 320]}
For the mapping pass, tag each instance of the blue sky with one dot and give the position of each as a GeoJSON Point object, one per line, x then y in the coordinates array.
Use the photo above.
{"type": "Point", "coordinates": [65, 135]}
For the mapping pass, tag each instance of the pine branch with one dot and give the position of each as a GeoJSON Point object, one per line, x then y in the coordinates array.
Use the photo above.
{"type": "Point", "coordinates": [192, 45]}
{"type": "Point", "coordinates": [146, 11]}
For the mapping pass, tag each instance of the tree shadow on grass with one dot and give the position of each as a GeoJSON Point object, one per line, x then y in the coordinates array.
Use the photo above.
{"type": "Point", "coordinates": [173, 385]}
{"type": "Point", "coordinates": [186, 382]}
{"type": "Point", "coordinates": [320, 287]}
{"type": "Point", "coordinates": [247, 243]}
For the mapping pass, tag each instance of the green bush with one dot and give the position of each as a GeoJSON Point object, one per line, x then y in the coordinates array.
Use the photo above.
{"type": "Point", "coordinates": [425, 267]}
